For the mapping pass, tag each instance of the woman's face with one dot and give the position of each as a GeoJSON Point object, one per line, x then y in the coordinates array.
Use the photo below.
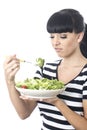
{"type": "Point", "coordinates": [65, 44]}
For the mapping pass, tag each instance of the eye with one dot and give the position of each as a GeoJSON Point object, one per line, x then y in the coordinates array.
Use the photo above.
{"type": "Point", "coordinates": [51, 37]}
{"type": "Point", "coordinates": [63, 36]}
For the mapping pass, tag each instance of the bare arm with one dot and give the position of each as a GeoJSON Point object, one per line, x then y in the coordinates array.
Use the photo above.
{"type": "Point", "coordinates": [77, 121]}
{"type": "Point", "coordinates": [23, 107]}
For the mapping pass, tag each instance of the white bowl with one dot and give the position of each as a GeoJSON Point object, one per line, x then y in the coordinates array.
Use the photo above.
{"type": "Point", "coordinates": [39, 93]}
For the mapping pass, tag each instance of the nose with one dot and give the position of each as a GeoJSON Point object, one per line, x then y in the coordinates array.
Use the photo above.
{"type": "Point", "coordinates": [56, 41]}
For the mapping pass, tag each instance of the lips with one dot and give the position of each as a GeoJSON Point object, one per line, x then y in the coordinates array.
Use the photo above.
{"type": "Point", "coordinates": [58, 49]}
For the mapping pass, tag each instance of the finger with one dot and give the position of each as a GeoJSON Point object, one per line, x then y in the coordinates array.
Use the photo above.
{"type": "Point", "coordinates": [9, 58]}
{"type": "Point", "coordinates": [24, 97]}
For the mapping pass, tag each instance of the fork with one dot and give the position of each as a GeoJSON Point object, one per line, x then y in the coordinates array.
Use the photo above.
{"type": "Point", "coordinates": [21, 60]}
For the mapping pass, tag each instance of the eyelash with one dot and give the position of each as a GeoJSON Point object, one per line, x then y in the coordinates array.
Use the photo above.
{"type": "Point", "coordinates": [63, 37]}
{"type": "Point", "coordinates": [52, 37]}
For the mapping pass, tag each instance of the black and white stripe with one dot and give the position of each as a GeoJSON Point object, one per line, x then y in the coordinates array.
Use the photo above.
{"type": "Point", "coordinates": [75, 92]}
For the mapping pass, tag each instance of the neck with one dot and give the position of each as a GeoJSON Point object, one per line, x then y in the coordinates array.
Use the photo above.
{"type": "Point", "coordinates": [74, 61]}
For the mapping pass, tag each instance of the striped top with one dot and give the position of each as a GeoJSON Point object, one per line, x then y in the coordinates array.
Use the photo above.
{"type": "Point", "coordinates": [75, 92]}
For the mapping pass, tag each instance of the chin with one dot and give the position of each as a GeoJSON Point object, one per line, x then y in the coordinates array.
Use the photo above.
{"type": "Point", "coordinates": [60, 56]}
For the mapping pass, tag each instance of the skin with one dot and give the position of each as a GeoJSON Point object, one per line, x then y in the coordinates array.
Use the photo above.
{"type": "Point", "coordinates": [66, 46]}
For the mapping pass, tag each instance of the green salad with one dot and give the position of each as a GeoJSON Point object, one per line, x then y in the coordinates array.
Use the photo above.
{"type": "Point", "coordinates": [40, 62]}
{"type": "Point", "coordinates": [39, 84]}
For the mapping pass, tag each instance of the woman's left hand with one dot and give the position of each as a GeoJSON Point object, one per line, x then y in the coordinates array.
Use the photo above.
{"type": "Point", "coordinates": [53, 100]}
{"type": "Point", "coordinates": [48, 100]}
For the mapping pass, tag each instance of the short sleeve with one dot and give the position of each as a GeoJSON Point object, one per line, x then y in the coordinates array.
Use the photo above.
{"type": "Point", "coordinates": [85, 91]}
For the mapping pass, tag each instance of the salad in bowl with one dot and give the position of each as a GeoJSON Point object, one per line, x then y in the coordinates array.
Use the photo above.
{"type": "Point", "coordinates": [40, 88]}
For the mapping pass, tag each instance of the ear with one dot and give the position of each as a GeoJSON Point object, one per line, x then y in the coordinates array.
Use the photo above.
{"type": "Point", "coordinates": [80, 37]}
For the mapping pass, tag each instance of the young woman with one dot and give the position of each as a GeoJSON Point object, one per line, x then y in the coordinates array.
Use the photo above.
{"type": "Point", "coordinates": [68, 111]}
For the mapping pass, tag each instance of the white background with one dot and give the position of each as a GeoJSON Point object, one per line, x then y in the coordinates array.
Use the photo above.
{"type": "Point", "coordinates": [23, 32]}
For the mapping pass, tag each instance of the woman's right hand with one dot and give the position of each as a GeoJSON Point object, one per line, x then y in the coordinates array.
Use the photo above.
{"type": "Point", "coordinates": [11, 66]}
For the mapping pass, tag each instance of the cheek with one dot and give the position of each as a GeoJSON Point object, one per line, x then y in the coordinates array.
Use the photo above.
{"type": "Point", "coordinates": [71, 43]}
{"type": "Point", "coordinates": [69, 47]}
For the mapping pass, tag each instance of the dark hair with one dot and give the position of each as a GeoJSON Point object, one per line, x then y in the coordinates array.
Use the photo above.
{"type": "Point", "coordinates": [69, 20]}
{"type": "Point", "coordinates": [83, 45]}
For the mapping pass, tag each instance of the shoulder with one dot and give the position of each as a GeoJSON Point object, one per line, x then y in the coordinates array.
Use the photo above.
{"type": "Point", "coordinates": [51, 67]}
{"type": "Point", "coordinates": [52, 63]}
{"type": "Point", "coordinates": [84, 70]}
